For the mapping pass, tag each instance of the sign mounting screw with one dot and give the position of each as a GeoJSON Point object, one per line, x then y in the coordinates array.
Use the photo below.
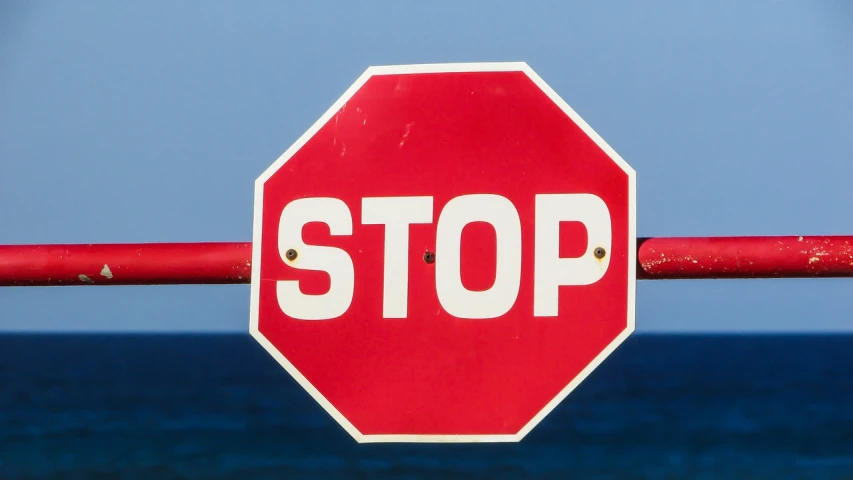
{"type": "Point", "coordinates": [429, 257]}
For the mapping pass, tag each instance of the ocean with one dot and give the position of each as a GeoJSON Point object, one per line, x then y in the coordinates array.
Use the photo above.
{"type": "Point", "coordinates": [218, 406]}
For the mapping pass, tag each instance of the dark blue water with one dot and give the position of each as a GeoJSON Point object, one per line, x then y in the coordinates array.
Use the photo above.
{"type": "Point", "coordinates": [159, 407]}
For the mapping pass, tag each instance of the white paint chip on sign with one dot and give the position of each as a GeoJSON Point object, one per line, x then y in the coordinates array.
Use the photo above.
{"type": "Point", "coordinates": [106, 272]}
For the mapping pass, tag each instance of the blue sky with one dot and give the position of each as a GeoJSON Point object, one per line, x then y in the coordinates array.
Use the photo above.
{"type": "Point", "coordinates": [149, 121]}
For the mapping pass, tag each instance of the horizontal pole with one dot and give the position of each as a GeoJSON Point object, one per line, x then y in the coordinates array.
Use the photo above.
{"type": "Point", "coordinates": [230, 262]}
{"type": "Point", "coordinates": [745, 257]}
{"type": "Point", "coordinates": [126, 264]}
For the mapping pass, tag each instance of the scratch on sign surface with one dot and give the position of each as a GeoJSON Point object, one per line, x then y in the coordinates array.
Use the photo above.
{"type": "Point", "coordinates": [406, 134]}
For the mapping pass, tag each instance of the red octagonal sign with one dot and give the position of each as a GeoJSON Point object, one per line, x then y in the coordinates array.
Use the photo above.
{"type": "Point", "coordinates": [445, 254]}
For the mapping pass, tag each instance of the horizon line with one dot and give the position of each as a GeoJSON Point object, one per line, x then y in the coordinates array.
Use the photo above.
{"type": "Point", "coordinates": [247, 334]}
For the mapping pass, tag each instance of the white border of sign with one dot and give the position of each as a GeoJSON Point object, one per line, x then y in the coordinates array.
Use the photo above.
{"type": "Point", "coordinates": [440, 68]}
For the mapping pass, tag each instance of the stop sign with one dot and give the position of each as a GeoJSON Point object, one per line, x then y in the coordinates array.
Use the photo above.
{"type": "Point", "coordinates": [445, 254]}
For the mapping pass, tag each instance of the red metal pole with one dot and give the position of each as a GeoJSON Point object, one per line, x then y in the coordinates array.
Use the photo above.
{"type": "Point", "coordinates": [745, 257]}
{"type": "Point", "coordinates": [230, 262]}
{"type": "Point", "coordinates": [125, 264]}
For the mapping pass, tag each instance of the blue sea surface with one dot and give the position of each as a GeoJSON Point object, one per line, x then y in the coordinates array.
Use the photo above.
{"type": "Point", "coordinates": [218, 406]}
